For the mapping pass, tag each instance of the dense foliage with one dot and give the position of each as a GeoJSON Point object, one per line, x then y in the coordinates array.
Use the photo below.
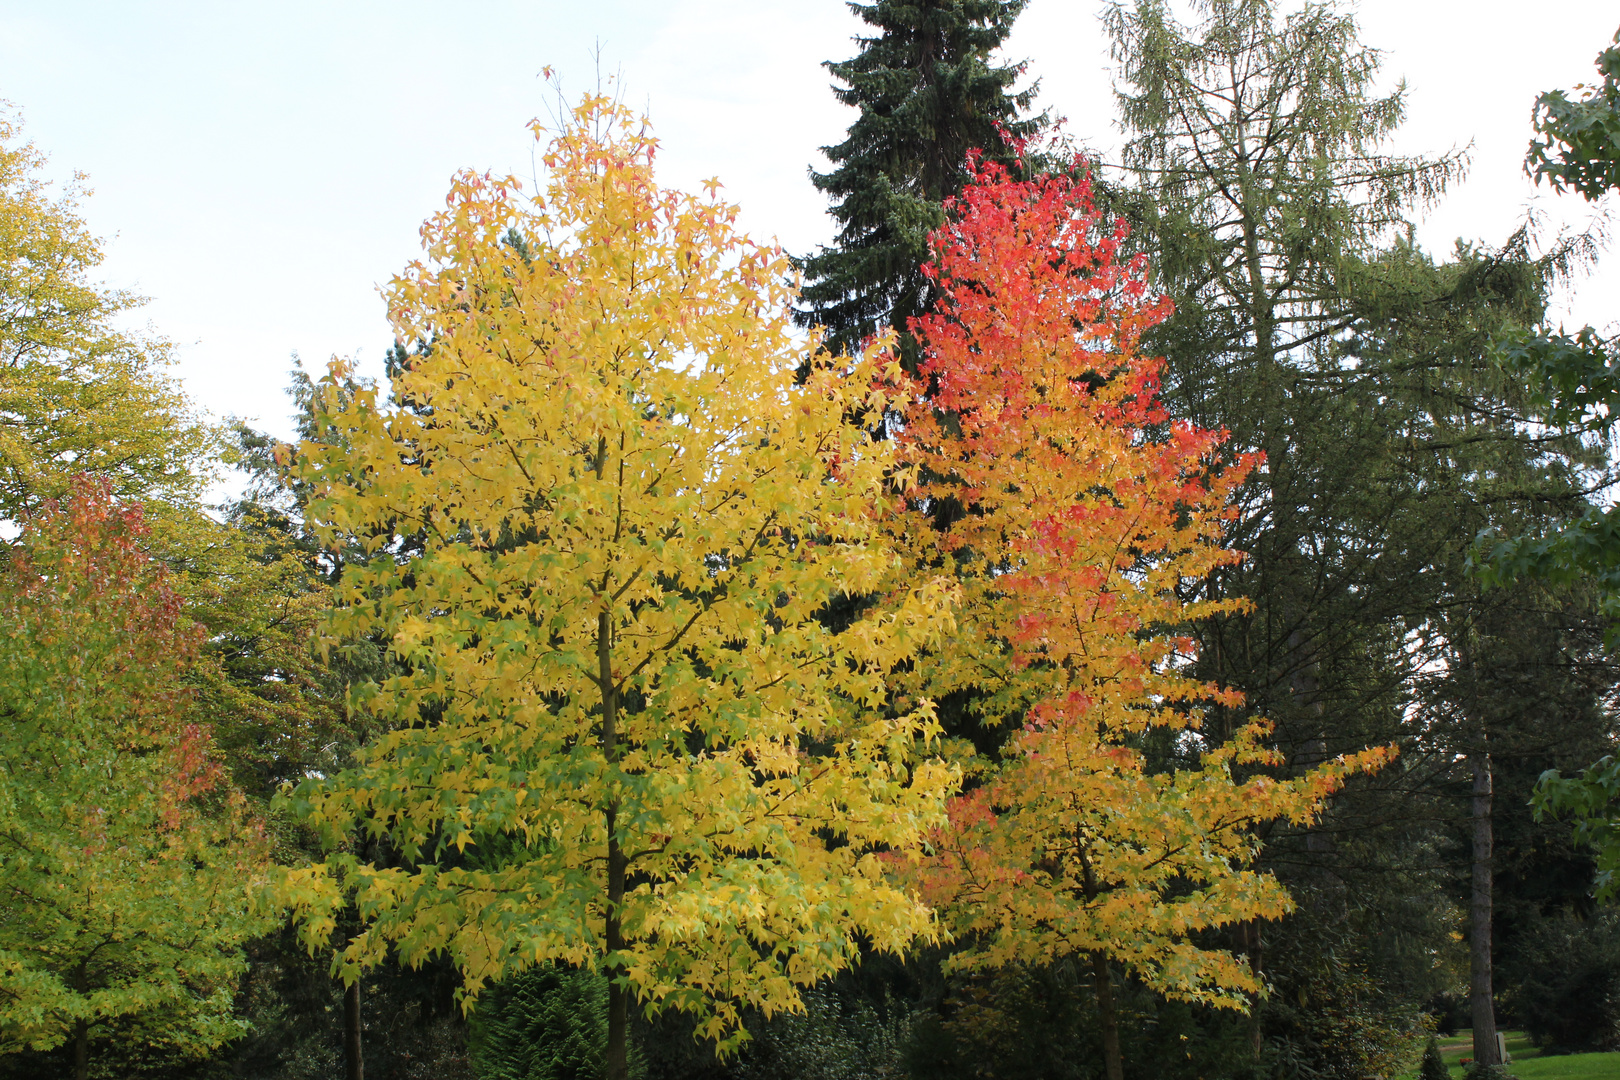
{"type": "Point", "coordinates": [77, 392]}
{"type": "Point", "coordinates": [1119, 641]}
{"type": "Point", "coordinates": [628, 524]}
{"type": "Point", "coordinates": [124, 853]}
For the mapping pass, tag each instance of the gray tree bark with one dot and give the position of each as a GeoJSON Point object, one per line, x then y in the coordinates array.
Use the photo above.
{"type": "Point", "coordinates": [1480, 992]}
{"type": "Point", "coordinates": [354, 1062]}
{"type": "Point", "coordinates": [1107, 1016]}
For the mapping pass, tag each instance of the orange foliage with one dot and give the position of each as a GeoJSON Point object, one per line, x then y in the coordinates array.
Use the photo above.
{"type": "Point", "coordinates": [1085, 518]}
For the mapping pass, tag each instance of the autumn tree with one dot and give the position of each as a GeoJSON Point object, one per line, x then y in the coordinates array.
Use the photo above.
{"type": "Point", "coordinates": [928, 91]}
{"type": "Point", "coordinates": [125, 857]}
{"type": "Point", "coordinates": [626, 517]}
{"type": "Point", "coordinates": [79, 389]}
{"type": "Point", "coordinates": [77, 393]}
{"type": "Point", "coordinates": [1087, 510]}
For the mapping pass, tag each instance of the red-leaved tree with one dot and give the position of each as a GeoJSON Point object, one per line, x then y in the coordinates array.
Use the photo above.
{"type": "Point", "coordinates": [1081, 518]}
{"type": "Point", "coordinates": [125, 857]}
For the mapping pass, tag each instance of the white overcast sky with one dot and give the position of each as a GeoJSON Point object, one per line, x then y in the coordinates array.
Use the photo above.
{"type": "Point", "coordinates": [259, 169]}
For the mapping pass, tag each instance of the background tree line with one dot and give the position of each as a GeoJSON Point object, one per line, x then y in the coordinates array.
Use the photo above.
{"type": "Point", "coordinates": [1306, 325]}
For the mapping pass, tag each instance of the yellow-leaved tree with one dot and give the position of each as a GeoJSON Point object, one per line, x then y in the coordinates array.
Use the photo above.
{"type": "Point", "coordinates": [77, 394]}
{"type": "Point", "coordinates": [624, 739]}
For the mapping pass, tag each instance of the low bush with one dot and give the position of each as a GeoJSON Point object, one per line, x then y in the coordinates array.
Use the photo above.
{"type": "Point", "coordinates": [1568, 994]}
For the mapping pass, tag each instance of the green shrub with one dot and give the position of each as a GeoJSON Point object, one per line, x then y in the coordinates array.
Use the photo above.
{"type": "Point", "coordinates": [1434, 1066]}
{"type": "Point", "coordinates": [547, 1023]}
{"type": "Point", "coordinates": [842, 1034]}
{"type": "Point", "coordinates": [1568, 993]}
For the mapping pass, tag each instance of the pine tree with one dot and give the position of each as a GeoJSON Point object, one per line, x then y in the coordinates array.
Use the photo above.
{"type": "Point", "coordinates": [927, 94]}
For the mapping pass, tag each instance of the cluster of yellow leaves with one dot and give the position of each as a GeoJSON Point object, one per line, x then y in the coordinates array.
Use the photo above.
{"type": "Point", "coordinates": [624, 739]}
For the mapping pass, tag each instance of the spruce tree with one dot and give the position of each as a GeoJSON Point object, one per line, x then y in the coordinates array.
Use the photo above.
{"type": "Point", "coordinates": [1434, 1065]}
{"type": "Point", "coordinates": [928, 93]}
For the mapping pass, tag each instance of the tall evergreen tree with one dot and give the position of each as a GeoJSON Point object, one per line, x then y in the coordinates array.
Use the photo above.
{"type": "Point", "coordinates": [1310, 329]}
{"type": "Point", "coordinates": [928, 92]}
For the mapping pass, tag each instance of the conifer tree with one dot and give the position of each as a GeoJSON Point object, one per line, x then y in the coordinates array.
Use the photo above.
{"type": "Point", "coordinates": [928, 93]}
{"type": "Point", "coordinates": [546, 1023]}
{"type": "Point", "coordinates": [1310, 329]}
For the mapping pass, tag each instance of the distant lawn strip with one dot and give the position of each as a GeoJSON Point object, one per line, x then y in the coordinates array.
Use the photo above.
{"type": "Point", "coordinates": [1528, 1062]}
{"type": "Point", "coordinates": [1568, 1067]}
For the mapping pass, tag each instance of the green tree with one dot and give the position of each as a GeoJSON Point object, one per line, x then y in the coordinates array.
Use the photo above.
{"type": "Point", "coordinates": [125, 857]}
{"type": "Point", "coordinates": [1577, 147]}
{"type": "Point", "coordinates": [1433, 1066]}
{"type": "Point", "coordinates": [1575, 383]}
{"type": "Point", "coordinates": [1309, 326]}
{"type": "Point", "coordinates": [928, 92]}
{"type": "Point", "coordinates": [262, 587]}
{"type": "Point", "coordinates": [547, 1023]}
{"type": "Point", "coordinates": [77, 394]}
{"type": "Point", "coordinates": [1255, 149]}
{"type": "Point", "coordinates": [1574, 379]}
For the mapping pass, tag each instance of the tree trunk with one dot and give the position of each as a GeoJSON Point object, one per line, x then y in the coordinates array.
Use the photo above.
{"type": "Point", "coordinates": [354, 1062]}
{"type": "Point", "coordinates": [81, 1050]}
{"type": "Point", "coordinates": [1480, 995]}
{"type": "Point", "coordinates": [1108, 1019]}
{"type": "Point", "coordinates": [618, 1057]}
{"type": "Point", "coordinates": [1253, 947]}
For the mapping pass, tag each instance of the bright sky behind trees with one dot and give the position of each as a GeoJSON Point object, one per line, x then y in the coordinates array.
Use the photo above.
{"type": "Point", "coordinates": [261, 169]}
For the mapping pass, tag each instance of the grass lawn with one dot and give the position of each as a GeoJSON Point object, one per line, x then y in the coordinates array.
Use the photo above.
{"type": "Point", "coordinates": [1528, 1064]}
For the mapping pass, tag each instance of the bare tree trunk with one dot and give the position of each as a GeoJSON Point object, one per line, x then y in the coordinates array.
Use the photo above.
{"type": "Point", "coordinates": [618, 1056]}
{"type": "Point", "coordinates": [1108, 1018]}
{"type": "Point", "coordinates": [354, 1062]}
{"type": "Point", "coordinates": [1480, 994]}
{"type": "Point", "coordinates": [1254, 947]}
